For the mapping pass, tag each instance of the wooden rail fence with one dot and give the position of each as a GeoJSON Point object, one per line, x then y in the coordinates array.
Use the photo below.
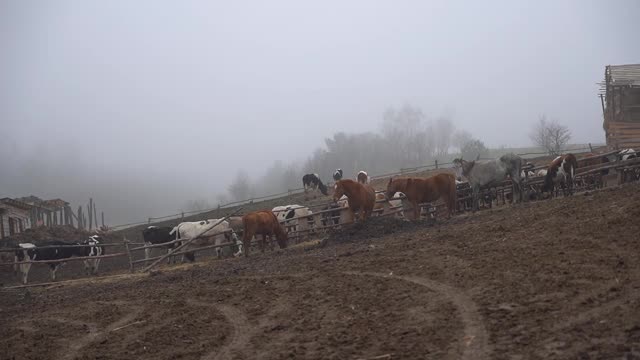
{"type": "Point", "coordinates": [317, 222]}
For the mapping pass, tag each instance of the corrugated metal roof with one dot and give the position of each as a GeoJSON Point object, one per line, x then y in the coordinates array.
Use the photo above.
{"type": "Point", "coordinates": [624, 75]}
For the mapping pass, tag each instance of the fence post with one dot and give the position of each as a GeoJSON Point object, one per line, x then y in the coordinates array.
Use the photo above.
{"type": "Point", "coordinates": [149, 222]}
{"type": "Point", "coordinates": [590, 148]}
{"type": "Point", "coordinates": [436, 164]}
{"type": "Point", "coordinates": [126, 246]}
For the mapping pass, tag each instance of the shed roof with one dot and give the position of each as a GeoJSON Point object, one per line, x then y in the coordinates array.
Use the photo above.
{"type": "Point", "coordinates": [624, 75]}
{"type": "Point", "coordinates": [15, 203]}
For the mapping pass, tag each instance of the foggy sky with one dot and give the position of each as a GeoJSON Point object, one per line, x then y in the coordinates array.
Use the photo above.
{"type": "Point", "coordinates": [146, 104]}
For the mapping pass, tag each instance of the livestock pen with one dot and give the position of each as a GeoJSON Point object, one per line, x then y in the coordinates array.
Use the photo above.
{"type": "Point", "coordinates": [126, 256]}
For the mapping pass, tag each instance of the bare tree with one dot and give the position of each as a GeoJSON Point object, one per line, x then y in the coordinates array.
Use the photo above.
{"type": "Point", "coordinates": [550, 135]}
{"type": "Point", "coordinates": [472, 149]}
{"type": "Point", "coordinates": [197, 205]}
{"type": "Point", "coordinates": [222, 199]}
{"type": "Point", "coordinates": [444, 130]}
{"type": "Point", "coordinates": [240, 188]}
{"type": "Point", "coordinates": [460, 138]}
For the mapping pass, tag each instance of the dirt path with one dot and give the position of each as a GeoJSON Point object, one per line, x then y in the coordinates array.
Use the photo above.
{"type": "Point", "coordinates": [544, 280]}
{"type": "Point", "coordinates": [474, 345]}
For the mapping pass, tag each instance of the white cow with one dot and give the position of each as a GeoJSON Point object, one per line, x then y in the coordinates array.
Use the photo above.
{"type": "Point", "coordinates": [290, 216]}
{"type": "Point", "coordinates": [343, 201]}
{"type": "Point", "coordinates": [627, 154]}
{"type": "Point", "coordinates": [217, 235]}
{"type": "Point", "coordinates": [363, 177]}
{"type": "Point", "coordinates": [527, 173]}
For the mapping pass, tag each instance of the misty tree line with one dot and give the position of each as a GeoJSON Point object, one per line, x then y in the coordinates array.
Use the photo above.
{"type": "Point", "coordinates": [407, 138]}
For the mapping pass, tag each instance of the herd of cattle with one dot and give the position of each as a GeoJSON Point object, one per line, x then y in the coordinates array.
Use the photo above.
{"type": "Point", "coordinates": [354, 196]}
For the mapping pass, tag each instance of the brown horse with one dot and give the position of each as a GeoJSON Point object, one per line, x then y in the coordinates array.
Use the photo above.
{"type": "Point", "coordinates": [263, 223]}
{"type": "Point", "coordinates": [420, 190]}
{"type": "Point", "coordinates": [361, 197]}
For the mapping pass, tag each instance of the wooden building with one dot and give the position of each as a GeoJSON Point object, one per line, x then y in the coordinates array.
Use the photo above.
{"type": "Point", "coordinates": [15, 217]}
{"type": "Point", "coordinates": [48, 212]}
{"type": "Point", "coordinates": [620, 96]}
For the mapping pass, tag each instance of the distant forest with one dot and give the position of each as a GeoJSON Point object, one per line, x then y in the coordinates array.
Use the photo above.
{"type": "Point", "coordinates": [406, 138]}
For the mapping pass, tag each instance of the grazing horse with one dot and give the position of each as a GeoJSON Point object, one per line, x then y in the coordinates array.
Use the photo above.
{"type": "Point", "coordinates": [337, 175]}
{"type": "Point", "coordinates": [312, 181]}
{"type": "Point", "coordinates": [361, 197]}
{"type": "Point", "coordinates": [561, 173]}
{"type": "Point", "coordinates": [363, 177]}
{"type": "Point", "coordinates": [490, 173]}
{"type": "Point", "coordinates": [421, 190]}
{"type": "Point", "coordinates": [263, 223]}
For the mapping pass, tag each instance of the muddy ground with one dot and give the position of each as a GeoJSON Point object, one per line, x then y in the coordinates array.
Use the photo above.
{"type": "Point", "coordinates": [557, 279]}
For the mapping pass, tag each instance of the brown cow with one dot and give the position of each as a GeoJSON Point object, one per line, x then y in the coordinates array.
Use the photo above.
{"type": "Point", "coordinates": [421, 190]}
{"type": "Point", "coordinates": [561, 173]}
{"type": "Point", "coordinates": [361, 197]}
{"type": "Point", "coordinates": [263, 223]}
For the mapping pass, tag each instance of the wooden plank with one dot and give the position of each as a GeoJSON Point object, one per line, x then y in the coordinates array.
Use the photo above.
{"type": "Point", "coordinates": [57, 247]}
{"type": "Point", "coordinates": [65, 260]}
{"type": "Point", "coordinates": [177, 241]}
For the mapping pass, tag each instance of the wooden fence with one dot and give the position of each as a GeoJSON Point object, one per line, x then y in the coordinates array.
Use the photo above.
{"type": "Point", "coordinates": [318, 222]}
{"type": "Point", "coordinates": [402, 172]}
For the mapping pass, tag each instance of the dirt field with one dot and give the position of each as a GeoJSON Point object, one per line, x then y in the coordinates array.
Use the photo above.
{"type": "Point", "coordinates": [555, 279]}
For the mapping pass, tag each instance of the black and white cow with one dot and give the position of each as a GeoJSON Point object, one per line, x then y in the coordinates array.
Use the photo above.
{"type": "Point", "coordinates": [220, 234]}
{"type": "Point", "coordinates": [629, 174]}
{"type": "Point", "coordinates": [312, 181]}
{"type": "Point", "coordinates": [58, 250]}
{"type": "Point", "coordinates": [290, 216]}
{"type": "Point", "coordinates": [91, 265]}
{"type": "Point", "coordinates": [158, 235]}
{"type": "Point", "coordinates": [31, 252]}
{"type": "Point", "coordinates": [337, 175]}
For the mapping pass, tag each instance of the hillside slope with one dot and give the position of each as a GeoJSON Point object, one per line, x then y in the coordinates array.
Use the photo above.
{"type": "Point", "coordinates": [552, 279]}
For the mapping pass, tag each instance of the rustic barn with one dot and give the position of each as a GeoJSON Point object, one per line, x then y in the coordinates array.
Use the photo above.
{"type": "Point", "coordinates": [620, 95]}
{"type": "Point", "coordinates": [14, 217]}
{"type": "Point", "coordinates": [48, 212]}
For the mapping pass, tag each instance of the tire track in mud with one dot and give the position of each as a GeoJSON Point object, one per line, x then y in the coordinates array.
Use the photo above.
{"type": "Point", "coordinates": [241, 329]}
{"type": "Point", "coordinates": [75, 346]}
{"type": "Point", "coordinates": [475, 344]}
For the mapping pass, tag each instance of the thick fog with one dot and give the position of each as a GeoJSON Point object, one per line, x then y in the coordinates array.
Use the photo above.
{"type": "Point", "coordinates": [149, 106]}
